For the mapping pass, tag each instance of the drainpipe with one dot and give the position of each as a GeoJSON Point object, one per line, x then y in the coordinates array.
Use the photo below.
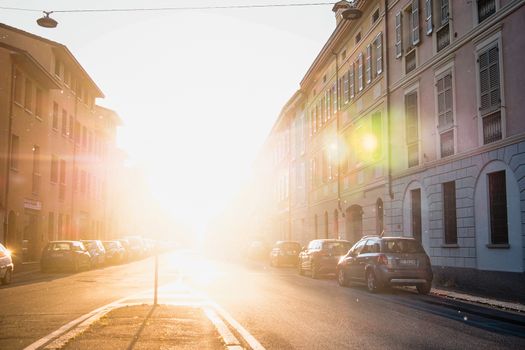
{"type": "Point", "coordinates": [8, 158]}
{"type": "Point", "coordinates": [387, 101]}
{"type": "Point", "coordinates": [337, 93]}
{"type": "Point", "coordinates": [72, 220]}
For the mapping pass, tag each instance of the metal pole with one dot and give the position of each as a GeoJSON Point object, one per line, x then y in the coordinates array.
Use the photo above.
{"type": "Point", "coordinates": [156, 278]}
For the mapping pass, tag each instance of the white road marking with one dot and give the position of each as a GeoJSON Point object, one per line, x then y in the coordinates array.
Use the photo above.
{"type": "Point", "coordinates": [227, 336]}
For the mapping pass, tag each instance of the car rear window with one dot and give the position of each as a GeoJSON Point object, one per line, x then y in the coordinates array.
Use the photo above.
{"type": "Point", "coordinates": [402, 246]}
{"type": "Point", "coordinates": [338, 248]}
{"type": "Point", "coordinates": [59, 246]}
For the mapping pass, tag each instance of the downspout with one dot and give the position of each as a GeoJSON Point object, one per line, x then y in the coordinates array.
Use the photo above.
{"type": "Point", "coordinates": [73, 190]}
{"type": "Point", "coordinates": [8, 158]}
{"type": "Point", "coordinates": [387, 102]}
{"type": "Point", "coordinates": [337, 93]}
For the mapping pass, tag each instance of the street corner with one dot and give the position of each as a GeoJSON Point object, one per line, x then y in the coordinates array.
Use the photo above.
{"type": "Point", "coordinates": [150, 327]}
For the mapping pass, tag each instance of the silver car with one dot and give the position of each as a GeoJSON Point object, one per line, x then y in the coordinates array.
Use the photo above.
{"type": "Point", "coordinates": [386, 261]}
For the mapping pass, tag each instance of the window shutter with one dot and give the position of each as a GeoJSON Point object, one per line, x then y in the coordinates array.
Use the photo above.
{"type": "Point", "coordinates": [379, 53]}
{"type": "Point", "coordinates": [360, 72]}
{"type": "Point", "coordinates": [399, 44]}
{"type": "Point", "coordinates": [345, 87]}
{"type": "Point", "coordinates": [334, 98]}
{"type": "Point", "coordinates": [352, 80]}
{"type": "Point", "coordinates": [369, 63]}
{"type": "Point", "coordinates": [428, 15]}
{"type": "Point", "coordinates": [415, 22]}
{"type": "Point", "coordinates": [489, 79]}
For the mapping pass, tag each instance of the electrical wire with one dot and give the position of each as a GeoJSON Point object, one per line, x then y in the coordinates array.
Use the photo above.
{"type": "Point", "coordinates": [189, 8]}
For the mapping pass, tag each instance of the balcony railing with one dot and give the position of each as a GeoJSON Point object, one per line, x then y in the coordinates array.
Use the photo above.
{"type": "Point", "coordinates": [492, 128]}
{"type": "Point", "coordinates": [443, 37]}
{"type": "Point", "coordinates": [447, 143]}
{"type": "Point", "coordinates": [413, 155]}
{"type": "Point", "coordinates": [410, 61]}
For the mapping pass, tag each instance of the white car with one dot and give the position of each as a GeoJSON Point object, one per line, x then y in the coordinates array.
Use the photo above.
{"type": "Point", "coordinates": [6, 265]}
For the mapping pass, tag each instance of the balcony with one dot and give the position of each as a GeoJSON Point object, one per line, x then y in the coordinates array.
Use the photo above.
{"type": "Point", "coordinates": [492, 128]}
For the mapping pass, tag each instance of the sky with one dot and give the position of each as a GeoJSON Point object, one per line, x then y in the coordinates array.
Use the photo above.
{"type": "Point", "coordinates": [198, 90]}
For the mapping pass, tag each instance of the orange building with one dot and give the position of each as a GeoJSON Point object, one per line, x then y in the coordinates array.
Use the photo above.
{"type": "Point", "coordinates": [55, 145]}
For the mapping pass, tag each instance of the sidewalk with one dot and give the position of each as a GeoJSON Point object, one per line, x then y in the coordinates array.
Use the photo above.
{"type": "Point", "coordinates": [150, 327]}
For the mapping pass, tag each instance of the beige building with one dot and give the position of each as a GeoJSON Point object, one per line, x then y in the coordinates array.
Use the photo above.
{"type": "Point", "coordinates": [55, 147]}
{"type": "Point", "coordinates": [415, 128]}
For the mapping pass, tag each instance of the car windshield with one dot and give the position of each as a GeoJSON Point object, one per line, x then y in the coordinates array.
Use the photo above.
{"type": "Point", "coordinates": [338, 248]}
{"type": "Point", "coordinates": [402, 246]}
{"type": "Point", "coordinates": [59, 246]}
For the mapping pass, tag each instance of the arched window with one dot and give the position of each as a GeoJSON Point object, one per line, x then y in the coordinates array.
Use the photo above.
{"type": "Point", "coordinates": [325, 224]}
{"type": "Point", "coordinates": [336, 224]}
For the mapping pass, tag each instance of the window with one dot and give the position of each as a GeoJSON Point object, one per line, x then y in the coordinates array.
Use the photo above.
{"type": "Point", "coordinates": [412, 128]}
{"type": "Point", "coordinates": [28, 97]}
{"type": "Point", "coordinates": [71, 126]}
{"type": "Point", "coordinates": [334, 98]}
{"type": "Point", "coordinates": [54, 169]}
{"type": "Point", "coordinates": [351, 81]}
{"type": "Point", "coordinates": [51, 226]}
{"type": "Point", "coordinates": [415, 22]}
{"type": "Point", "coordinates": [489, 94]}
{"type": "Point", "coordinates": [62, 189]}
{"type": "Point", "coordinates": [446, 141]}
{"type": "Point", "coordinates": [444, 101]}
{"type": "Point", "coordinates": [399, 35]}
{"type": "Point", "coordinates": [379, 216]}
{"type": "Point", "coordinates": [428, 16]}
{"type": "Point", "coordinates": [64, 122]}
{"type": "Point", "coordinates": [410, 61]}
{"type": "Point", "coordinates": [77, 133]}
{"type": "Point", "coordinates": [19, 81]}
{"type": "Point", "coordinates": [369, 64]}
{"type": "Point", "coordinates": [375, 16]}
{"type": "Point", "coordinates": [358, 38]}
{"type": "Point", "coordinates": [59, 233]}
{"type": "Point", "coordinates": [39, 103]}
{"type": "Point", "coordinates": [36, 170]}
{"type": "Point", "coordinates": [345, 87]}
{"type": "Point", "coordinates": [54, 124]}
{"type": "Point", "coordinates": [83, 181]}
{"type": "Point", "coordinates": [498, 208]}
{"type": "Point", "coordinates": [443, 32]}
{"type": "Point", "coordinates": [360, 82]}
{"type": "Point", "coordinates": [486, 8]}
{"type": "Point", "coordinates": [379, 53]}
{"type": "Point", "coordinates": [449, 212]}
{"type": "Point", "coordinates": [84, 136]}
{"type": "Point", "coordinates": [14, 151]}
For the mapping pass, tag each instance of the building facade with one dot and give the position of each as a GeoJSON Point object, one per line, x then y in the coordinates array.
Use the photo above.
{"type": "Point", "coordinates": [55, 146]}
{"type": "Point", "coordinates": [415, 127]}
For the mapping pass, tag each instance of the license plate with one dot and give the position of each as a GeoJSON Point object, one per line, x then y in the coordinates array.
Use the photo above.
{"type": "Point", "coordinates": [407, 262]}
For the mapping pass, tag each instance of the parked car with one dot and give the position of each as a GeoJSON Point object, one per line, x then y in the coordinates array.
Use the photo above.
{"type": "Point", "coordinates": [6, 265]}
{"type": "Point", "coordinates": [115, 252]}
{"type": "Point", "coordinates": [97, 251]}
{"type": "Point", "coordinates": [127, 248]}
{"type": "Point", "coordinates": [136, 247]}
{"type": "Point", "coordinates": [257, 250]}
{"type": "Point", "coordinates": [285, 253]}
{"type": "Point", "coordinates": [321, 256]}
{"type": "Point", "coordinates": [65, 255]}
{"type": "Point", "coordinates": [386, 261]}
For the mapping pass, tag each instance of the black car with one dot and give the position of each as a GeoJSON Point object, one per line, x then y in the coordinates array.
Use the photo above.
{"type": "Point", "coordinates": [285, 253]}
{"type": "Point", "coordinates": [386, 261]}
{"type": "Point", "coordinates": [70, 255]}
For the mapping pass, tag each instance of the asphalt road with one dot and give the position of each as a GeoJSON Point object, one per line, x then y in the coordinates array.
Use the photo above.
{"type": "Point", "coordinates": [281, 309]}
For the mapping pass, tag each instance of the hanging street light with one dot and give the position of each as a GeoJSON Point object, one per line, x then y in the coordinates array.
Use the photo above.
{"type": "Point", "coordinates": [46, 21]}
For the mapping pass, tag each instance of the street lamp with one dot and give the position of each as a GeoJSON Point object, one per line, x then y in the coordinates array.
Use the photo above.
{"type": "Point", "coordinates": [46, 21]}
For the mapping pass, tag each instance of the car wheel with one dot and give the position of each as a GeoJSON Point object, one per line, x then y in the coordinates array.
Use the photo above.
{"type": "Point", "coordinates": [341, 278]}
{"type": "Point", "coordinates": [371, 282]}
{"type": "Point", "coordinates": [314, 271]}
{"type": "Point", "coordinates": [424, 288]}
{"type": "Point", "coordinates": [7, 277]}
